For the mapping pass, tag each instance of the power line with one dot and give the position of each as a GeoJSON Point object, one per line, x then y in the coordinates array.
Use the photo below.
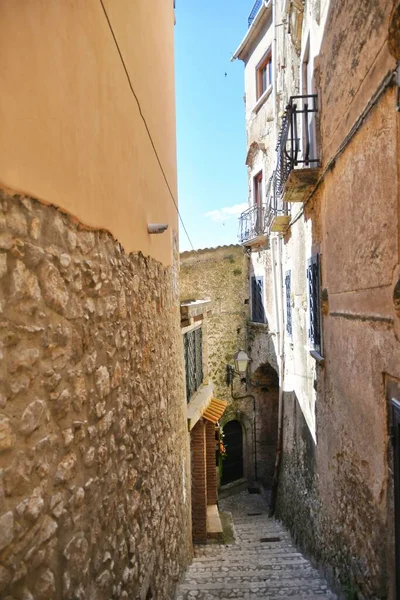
{"type": "Point", "coordinates": [144, 121]}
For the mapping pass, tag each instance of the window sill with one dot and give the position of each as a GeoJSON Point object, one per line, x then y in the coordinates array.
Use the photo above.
{"type": "Point", "coordinates": [316, 356]}
{"type": "Point", "coordinates": [262, 99]}
{"type": "Point", "coordinates": [258, 325]}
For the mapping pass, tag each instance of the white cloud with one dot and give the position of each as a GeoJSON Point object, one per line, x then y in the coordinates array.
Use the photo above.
{"type": "Point", "coordinates": [226, 213]}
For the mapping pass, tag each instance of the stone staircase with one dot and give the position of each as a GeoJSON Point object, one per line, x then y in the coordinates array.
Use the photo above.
{"type": "Point", "coordinates": [263, 563]}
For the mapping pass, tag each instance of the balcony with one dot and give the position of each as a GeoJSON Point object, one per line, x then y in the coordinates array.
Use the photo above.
{"type": "Point", "coordinates": [257, 222]}
{"type": "Point", "coordinates": [278, 217]}
{"type": "Point", "coordinates": [297, 156]}
{"type": "Point", "coordinates": [253, 226]}
{"type": "Point", "coordinates": [254, 11]}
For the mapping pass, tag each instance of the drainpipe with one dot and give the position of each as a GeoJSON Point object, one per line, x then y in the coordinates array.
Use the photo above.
{"type": "Point", "coordinates": [274, 490]}
{"type": "Point", "coordinates": [274, 69]}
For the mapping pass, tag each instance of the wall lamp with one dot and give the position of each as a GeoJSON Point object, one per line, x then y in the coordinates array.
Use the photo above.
{"type": "Point", "coordinates": [241, 361]}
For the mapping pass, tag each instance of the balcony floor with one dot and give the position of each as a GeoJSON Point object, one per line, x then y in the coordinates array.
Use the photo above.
{"type": "Point", "coordinates": [300, 183]}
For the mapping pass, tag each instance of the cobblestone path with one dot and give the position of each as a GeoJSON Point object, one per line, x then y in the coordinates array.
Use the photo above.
{"type": "Point", "coordinates": [252, 568]}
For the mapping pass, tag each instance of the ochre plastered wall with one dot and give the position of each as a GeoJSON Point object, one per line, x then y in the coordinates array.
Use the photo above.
{"type": "Point", "coordinates": [72, 134]}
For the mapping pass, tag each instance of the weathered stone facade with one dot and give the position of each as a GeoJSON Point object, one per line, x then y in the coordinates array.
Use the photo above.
{"type": "Point", "coordinates": [94, 502]}
{"type": "Point", "coordinates": [336, 485]}
{"type": "Point", "coordinates": [222, 274]}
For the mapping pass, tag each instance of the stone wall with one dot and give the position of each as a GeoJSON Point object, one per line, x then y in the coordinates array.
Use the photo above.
{"type": "Point", "coordinates": [335, 489]}
{"type": "Point", "coordinates": [222, 274]}
{"type": "Point", "coordinates": [93, 452]}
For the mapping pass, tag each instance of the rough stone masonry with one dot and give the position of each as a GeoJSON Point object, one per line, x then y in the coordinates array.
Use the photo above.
{"type": "Point", "coordinates": [92, 427]}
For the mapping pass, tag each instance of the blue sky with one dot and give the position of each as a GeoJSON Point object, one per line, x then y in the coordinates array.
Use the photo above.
{"type": "Point", "coordinates": [210, 119]}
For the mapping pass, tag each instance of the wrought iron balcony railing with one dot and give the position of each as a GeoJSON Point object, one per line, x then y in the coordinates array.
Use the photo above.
{"type": "Point", "coordinates": [297, 139]}
{"type": "Point", "coordinates": [257, 222]}
{"type": "Point", "coordinates": [254, 11]}
{"type": "Point", "coordinates": [252, 223]}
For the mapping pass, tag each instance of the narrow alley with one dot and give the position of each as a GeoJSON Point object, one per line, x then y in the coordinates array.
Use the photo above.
{"type": "Point", "coordinates": [262, 563]}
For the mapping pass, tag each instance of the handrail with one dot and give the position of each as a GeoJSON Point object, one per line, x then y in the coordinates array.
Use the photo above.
{"type": "Point", "coordinates": [254, 11]}
{"type": "Point", "coordinates": [296, 138]}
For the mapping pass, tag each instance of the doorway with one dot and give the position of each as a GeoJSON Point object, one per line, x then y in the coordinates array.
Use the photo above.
{"type": "Point", "coordinates": [233, 441]}
{"type": "Point", "coordinates": [396, 465]}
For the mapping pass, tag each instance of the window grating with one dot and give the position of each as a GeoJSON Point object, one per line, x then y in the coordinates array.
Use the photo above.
{"type": "Point", "coordinates": [314, 286]}
{"type": "Point", "coordinates": [288, 286]}
{"type": "Point", "coordinates": [193, 349]}
{"type": "Point", "coordinates": [257, 303]}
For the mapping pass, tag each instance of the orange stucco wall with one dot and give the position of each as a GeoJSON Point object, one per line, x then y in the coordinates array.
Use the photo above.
{"type": "Point", "coordinates": [71, 132]}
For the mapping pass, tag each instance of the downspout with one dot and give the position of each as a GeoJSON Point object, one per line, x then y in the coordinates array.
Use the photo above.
{"type": "Point", "coordinates": [279, 316]}
{"type": "Point", "coordinates": [279, 444]}
{"type": "Point", "coordinates": [274, 71]}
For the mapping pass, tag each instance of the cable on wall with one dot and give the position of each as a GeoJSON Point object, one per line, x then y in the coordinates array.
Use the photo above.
{"type": "Point", "coordinates": [144, 121]}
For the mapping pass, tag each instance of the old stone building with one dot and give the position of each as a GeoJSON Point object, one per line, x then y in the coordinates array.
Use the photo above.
{"type": "Point", "coordinates": [323, 125]}
{"type": "Point", "coordinates": [94, 463]}
{"type": "Point", "coordinates": [204, 411]}
{"type": "Point", "coordinates": [250, 420]}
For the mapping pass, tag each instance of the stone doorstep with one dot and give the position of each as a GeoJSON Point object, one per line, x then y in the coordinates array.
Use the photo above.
{"type": "Point", "coordinates": [214, 525]}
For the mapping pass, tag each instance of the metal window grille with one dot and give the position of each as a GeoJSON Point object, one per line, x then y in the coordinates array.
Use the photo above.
{"type": "Point", "coordinates": [257, 303]}
{"type": "Point", "coordinates": [288, 285]}
{"type": "Point", "coordinates": [314, 305]}
{"type": "Point", "coordinates": [193, 349]}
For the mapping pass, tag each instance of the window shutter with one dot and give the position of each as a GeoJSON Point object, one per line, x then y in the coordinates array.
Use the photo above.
{"type": "Point", "coordinates": [288, 285]}
{"type": "Point", "coordinates": [257, 304]}
{"type": "Point", "coordinates": [314, 285]}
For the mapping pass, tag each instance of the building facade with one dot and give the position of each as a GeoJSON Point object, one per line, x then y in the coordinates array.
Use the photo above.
{"type": "Point", "coordinates": [94, 459]}
{"type": "Point", "coordinates": [326, 132]}
{"type": "Point", "coordinates": [249, 423]}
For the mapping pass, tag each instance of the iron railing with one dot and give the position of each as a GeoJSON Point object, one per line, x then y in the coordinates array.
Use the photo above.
{"type": "Point", "coordinates": [193, 349]}
{"type": "Point", "coordinates": [252, 223]}
{"type": "Point", "coordinates": [297, 138]}
{"type": "Point", "coordinates": [254, 11]}
{"type": "Point", "coordinates": [256, 221]}
{"type": "Point", "coordinates": [276, 206]}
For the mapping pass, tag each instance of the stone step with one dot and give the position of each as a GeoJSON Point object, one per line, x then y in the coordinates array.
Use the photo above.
{"type": "Point", "coordinates": [258, 570]}
{"type": "Point", "coordinates": [296, 582]}
{"type": "Point", "coordinates": [281, 595]}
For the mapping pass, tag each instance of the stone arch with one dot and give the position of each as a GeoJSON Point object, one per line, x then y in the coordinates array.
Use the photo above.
{"type": "Point", "coordinates": [233, 413]}
{"type": "Point", "coordinates": [265, 387]}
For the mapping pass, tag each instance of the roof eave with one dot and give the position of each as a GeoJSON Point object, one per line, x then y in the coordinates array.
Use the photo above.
{"type": "Point", "coordinates": [252, 31]}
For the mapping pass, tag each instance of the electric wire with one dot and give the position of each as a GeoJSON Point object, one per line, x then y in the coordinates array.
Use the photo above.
{"type": "Point", "coordinates": [144, 121]}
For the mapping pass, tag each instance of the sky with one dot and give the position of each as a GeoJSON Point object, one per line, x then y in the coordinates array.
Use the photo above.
{"type": "Point", "coordinates": [212, 176]}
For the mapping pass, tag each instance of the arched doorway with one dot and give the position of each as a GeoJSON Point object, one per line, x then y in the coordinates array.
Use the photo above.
{"type": "Point", "coordinates": [232, 468]}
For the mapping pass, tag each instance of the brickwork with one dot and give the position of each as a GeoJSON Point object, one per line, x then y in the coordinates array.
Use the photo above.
{"type": "Point", "coordinates": [199, 482]}
{"type": "Point", "coordinates": [210, 464]}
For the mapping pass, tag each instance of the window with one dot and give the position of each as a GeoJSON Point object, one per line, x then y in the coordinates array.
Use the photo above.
{"type": "Point", "coordinates": [257, 301]}
{"type": "Point", "coordinates": [257, 189]}
{"type": "Point", "coordinates": [314, 304]}
{"type": "Point", "coordinates": [193, 350]}
{"type": "Point", "coordinates": [264, 74]}
{"type": "Point", "coordinates": [288, 286]}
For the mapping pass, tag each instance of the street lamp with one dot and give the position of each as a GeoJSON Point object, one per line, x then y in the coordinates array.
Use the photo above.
{"type": "Point", "coordinates": [241, 361]}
